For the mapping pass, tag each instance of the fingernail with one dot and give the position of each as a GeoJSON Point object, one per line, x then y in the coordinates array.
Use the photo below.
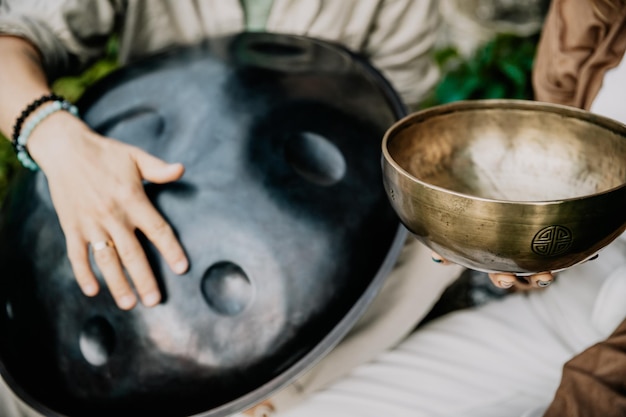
{"type": "Point", "coordinates": [439, 261]}
{"type": "Point", "coordinates": [505, 284]}
{"type": "Point", "coordinates": [90, 290]}
{"type": "Point", "coordinates": [175, 166]}
{"type": "Point", "coordinates": [180, 267]}
{"type": "Point", "coordinates": [544, 283]}
{"type": "Point", "coordinates": [151, 299]}
{"type": "Point", "coordinates": [127, 302]}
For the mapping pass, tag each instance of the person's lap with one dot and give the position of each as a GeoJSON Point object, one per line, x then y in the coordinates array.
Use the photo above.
{"type": "Point", "coordinates": [501, 359]}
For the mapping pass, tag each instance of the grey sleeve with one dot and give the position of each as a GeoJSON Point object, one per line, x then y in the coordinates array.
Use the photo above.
{"type": "Point", "coordinates": [68, 33]}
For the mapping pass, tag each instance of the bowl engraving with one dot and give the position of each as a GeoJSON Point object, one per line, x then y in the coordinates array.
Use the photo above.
{"type": "Point", "coordinates": [552, 240]}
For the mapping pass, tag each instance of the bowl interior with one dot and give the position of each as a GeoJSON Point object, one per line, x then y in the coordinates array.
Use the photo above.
{"type": "Point", "coordinates": [511, 151]}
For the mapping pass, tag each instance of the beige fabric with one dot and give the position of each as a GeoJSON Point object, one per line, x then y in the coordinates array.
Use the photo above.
{"type": "Point", "coordinates": [576, 49]}
{"type": "Point", "coordinates": [11, 405]}
{"type": "Point", "coordinates": [396, 35]}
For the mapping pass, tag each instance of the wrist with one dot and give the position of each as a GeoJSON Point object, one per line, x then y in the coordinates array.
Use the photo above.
{"type": "Point", "coordinates": [31, 118]}
{"type": "Point", "coordinates": [22, 135]}
{"type": "Point", "coordinates": [54, 138]}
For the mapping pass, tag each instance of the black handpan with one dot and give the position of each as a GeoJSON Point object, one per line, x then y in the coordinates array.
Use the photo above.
{"type": "Point", "coordinates": [281, 211]}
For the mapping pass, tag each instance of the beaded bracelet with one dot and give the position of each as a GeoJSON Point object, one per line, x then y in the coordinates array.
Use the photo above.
{"type": "Point", "coordinates": [24, 133]}
{"type": "Point", "coordinates": [28, 110]}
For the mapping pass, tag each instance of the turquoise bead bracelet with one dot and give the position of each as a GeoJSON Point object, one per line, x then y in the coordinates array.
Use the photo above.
{"type": "Point", "coordinates": [20, 143]}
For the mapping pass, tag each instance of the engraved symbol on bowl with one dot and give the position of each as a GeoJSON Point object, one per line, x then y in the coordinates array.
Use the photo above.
{"type": "Point", "coordinates": [552, 240]}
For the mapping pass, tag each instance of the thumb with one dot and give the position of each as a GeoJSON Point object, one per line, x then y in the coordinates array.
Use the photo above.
{"type": "Point", "coordinates": [156, 170]}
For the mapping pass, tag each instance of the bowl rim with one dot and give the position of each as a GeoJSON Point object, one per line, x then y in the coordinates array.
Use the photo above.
{"type": "Point", "coordinates": [509, 104]}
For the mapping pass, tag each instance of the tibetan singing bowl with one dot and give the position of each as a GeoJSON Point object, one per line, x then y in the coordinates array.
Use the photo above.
{"type": "Point", "coordinates": [508, 185]}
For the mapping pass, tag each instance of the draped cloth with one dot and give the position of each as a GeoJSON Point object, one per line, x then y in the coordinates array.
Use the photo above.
{"type": "Point", "coordinates": [579, 43]}
{"type": "Point", "coordinates": [594, 382]}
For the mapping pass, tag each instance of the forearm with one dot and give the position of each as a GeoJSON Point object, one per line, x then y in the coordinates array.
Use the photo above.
{"type": "Point", "coordinates": [95, 184]}
{"type": "Point", "coordinates": [22, 80]}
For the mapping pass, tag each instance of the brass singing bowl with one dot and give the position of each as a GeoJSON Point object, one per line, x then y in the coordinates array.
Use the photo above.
{"type": "Point", "coordinates": [508, 185]}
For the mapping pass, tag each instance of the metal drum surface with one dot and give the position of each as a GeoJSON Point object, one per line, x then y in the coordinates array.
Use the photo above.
{"type": "Point", "coordinates": [281, 211]}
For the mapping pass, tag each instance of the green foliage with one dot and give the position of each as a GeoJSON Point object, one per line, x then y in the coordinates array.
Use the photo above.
{"type": "Point", "coordinates": [500, 69]}
{"type": "Point", "coordinates": [73, 87]}
{"type": "Point", "coordinates": [8, 165]}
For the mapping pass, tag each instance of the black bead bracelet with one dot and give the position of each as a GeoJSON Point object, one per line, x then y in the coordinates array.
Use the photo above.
{"type": "Point", "coordinates": [28, 111]}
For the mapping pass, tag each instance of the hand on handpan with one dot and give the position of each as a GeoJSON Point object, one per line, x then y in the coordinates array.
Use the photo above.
{"type": "Point", "coordinates": [97, 190]}
{"type": "Point", "coordinates": [511, 281]}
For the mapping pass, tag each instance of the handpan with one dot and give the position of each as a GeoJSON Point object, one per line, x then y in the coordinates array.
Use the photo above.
{"type": "Point", "coordinates": [281, 210]}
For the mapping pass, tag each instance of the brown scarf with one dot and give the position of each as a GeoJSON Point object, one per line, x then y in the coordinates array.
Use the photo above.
{"type": "Point", "coordinates": [576, 48]}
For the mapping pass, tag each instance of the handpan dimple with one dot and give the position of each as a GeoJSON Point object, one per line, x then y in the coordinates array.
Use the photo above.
{"type": "Point", "coordinates": [275, 49]}
{"type": "Point", "coordinates": [9, 309]}
{"type": "Point", "coordinates": [97, 341]}
{"type": "Point", "coordinates": [147, 121]}
{"type": "Point", "coordinates": [315, 158]}
{"type": "Point", "coordinates": [226, 288]}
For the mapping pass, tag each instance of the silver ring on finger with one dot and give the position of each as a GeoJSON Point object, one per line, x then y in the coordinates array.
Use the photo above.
{"type": "Point", "coordinates": [102, 244]}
